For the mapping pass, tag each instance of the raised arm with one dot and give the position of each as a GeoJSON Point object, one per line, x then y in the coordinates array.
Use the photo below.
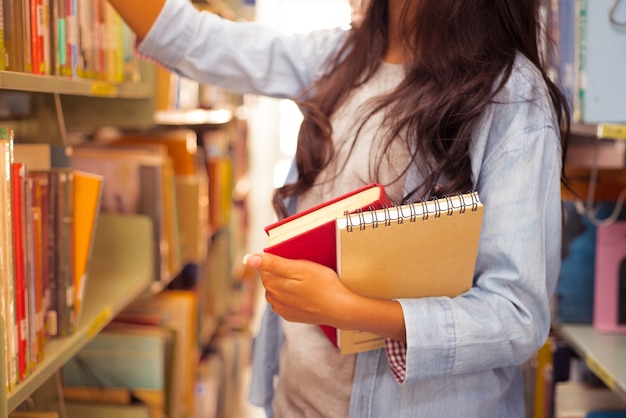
{"type": "Point", "coordinates": [138, 14]}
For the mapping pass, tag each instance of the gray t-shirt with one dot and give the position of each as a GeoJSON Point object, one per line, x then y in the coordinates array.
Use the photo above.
{"type": "Point", "coordinates": [308, 361]}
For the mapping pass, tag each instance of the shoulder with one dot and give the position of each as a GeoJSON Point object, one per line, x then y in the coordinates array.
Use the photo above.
{"type": "Point", "coordinates": [523, 104]}
{"type": "Point", "coordinates": [521, 118]}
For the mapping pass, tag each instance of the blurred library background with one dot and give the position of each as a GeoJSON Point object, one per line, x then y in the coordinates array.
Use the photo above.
{"type": "Point", "coordinates": [131, 300]}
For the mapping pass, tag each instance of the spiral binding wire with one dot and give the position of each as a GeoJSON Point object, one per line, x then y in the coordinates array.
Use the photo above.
{"type": "Point", "coordinates": [412, 212]}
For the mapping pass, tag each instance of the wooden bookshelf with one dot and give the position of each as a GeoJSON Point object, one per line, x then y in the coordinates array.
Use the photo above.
{"type": "Point", "coordinates": [121, 271]}
{"type": "Point", "coordinates": [73, 86]}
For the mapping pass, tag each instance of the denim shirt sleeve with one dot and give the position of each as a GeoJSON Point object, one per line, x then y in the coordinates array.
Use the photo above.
{"type": "Point", "coordinates": [234, 55]}
{"type": "Point", "coordinates": [505, 317]}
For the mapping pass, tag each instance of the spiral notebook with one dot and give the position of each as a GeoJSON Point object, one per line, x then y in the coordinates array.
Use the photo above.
{"type": "Point", "coordinates": [410, 251]}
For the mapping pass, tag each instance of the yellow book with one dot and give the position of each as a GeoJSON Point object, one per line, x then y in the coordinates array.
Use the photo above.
{"type": "Point", "coordinates": [87, 198]}
{"type": "Point", "coordinates": [416, 250]}
{"type": "Point", "coordinates": [611, 131]}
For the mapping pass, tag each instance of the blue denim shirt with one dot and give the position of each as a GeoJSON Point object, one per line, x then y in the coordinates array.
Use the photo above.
{"type": "Point", "coordinates": [465, 353]}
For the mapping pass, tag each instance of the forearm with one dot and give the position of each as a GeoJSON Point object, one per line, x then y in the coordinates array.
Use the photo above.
{"type": "Point", "coordinates": [380, 317]}
{"type": "Point", "coordinates": [139, 15]}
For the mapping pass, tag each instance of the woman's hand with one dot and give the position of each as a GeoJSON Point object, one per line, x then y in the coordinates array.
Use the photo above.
{"type": "Point", "coordinates": [307, 292]}
{"type": "Point", "coordinates": [300, 290]}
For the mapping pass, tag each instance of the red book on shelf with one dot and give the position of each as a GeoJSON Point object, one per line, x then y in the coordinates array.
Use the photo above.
{"type": "Point", "coordinates": [310, 234]}
{"type": "Point", "coordinates": [19, 256]}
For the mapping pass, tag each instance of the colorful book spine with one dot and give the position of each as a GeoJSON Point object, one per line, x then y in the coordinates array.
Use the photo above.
{"type": "Point", "coordinates": [26, 36]}
{"type": "Point", "coordinates": [61, 186]}
{"type": "Point", "coordinates": [3, 51]}
{"type": "Point", "coordinates": [72, 28]}
{"type": "Point", "coordinates": [36, 36]}
{"type": "Point", "coordinates": [6, 258]}
{"type": "Point", "coordinates": [19, 258]}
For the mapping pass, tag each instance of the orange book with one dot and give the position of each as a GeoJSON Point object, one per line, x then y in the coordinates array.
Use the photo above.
{"type": "Point", "coordinates": [87, 198]}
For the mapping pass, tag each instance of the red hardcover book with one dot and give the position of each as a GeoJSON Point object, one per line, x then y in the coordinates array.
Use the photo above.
{"type": "Point", "coordinates": [310, 234]}
{"type": "Point", "coordinates": [19, 255]}
{"type": "Point", "coordinates": [36, 36]}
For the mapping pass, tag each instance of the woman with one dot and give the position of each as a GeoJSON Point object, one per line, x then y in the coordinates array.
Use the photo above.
{"type": "Point", "coordinates": [428, 97]}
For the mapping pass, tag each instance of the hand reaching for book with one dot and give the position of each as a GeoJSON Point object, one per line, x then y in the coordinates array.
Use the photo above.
{"type": "Point", "coordinates": [307, 292]}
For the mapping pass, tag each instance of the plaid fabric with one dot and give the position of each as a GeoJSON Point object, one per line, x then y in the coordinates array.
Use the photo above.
{"type": "Point", "coordinates": [396, 354]}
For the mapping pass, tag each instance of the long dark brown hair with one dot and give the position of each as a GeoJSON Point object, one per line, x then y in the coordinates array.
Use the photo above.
{"type": "Point", "coordinates": [460, 49]}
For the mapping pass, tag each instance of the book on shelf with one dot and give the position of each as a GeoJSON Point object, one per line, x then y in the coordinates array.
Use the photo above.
{"type": "Point", "coordinates": [600, 84]}
{"type": "Point", "coordinates": [13, 37]}
{"type": "Point", "coordinates": [611, 130]}
{"type": "Point", "coordinates": [61, 251]}
{"type": "Point", "coordinates": [609, 281]}
{"type": "Point", "coordinates": [579, 398]}
{"type": "Point", "coordinates": [423, 249]}
{"type": "Point", "coordinates": [7, 288]}
{"type": "Point", "coordinates": [18, 176]}
{"type": "Point", "coordinates": [190, 184]}
{"type": "Point", "coordinates": [219, 165]}
{"type": "Point", "coordinates": [138, 181]}
{"type": "Point", "coordinates": [85, 39]}
{"type": "Point", "coordinates": [39, 288]}
{"type": "Point", "coordinates": [26, 36]}
{"type": "Point", "coordinates": [32, 305]}
{"type": "Point", "coordinates": [310, 234]}
{"type": "Point", "coordinates": [87, 198]}
{"type": "Point", "coordinates": [124, 361]}
{"type": "Point", "coordinates": [177, 310]}
{"type": "Point", "coordinates": [3, 51]}
{"type": "Point", "coordinates": [42, 156]}
{"type": "Point", "coordinates": [181, 145]}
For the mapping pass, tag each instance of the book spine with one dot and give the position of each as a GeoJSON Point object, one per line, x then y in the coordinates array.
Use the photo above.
{"type": "Point", "coordinates": [3, 52]}
{"type": "Point", "coordinates": [62, 185]}
{"type": "Point", "coordinates": [13, 35]}
{"type": "Point", "coordinates": [86, 40]}
{"type": "Point", "coordinates": [100, 39]}
{"type": "Point", "coordinates": [45, 31]}
{"type": "Point", "coordinates": [72, 40]}
{"type": "Point", "coordinates": [6, 258]}
{"type": "Point", "coordinates": [26, 36]}
{"type": "Point", "coordinates": [36, 40]}
{"type": "Point", "coordinates": [51, 321]}
{"type": "Point", "coordinates": [61, 38]}
{"type": "Point", "coordinates": [19, 258]}
{"type": "Point", "coordinates": [580, 60]}
{"type": "Point", "coordinates": [41, 202]}
{"type": "Point", "coordinates": [151, 204]}
{"type": "Point", "coordinates": [566, 50]}
{"type": "Point", "coordinates": [30, 275]}
{"type": "Point", "coordinates": [38, 288]}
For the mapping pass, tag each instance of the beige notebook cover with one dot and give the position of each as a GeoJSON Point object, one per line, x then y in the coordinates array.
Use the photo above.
{"type": "Point", "coordinates": [415, 250]}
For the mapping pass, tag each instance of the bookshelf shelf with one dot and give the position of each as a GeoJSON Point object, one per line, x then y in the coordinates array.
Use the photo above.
{"type": "Point", "coordinates": [605, 354]}
{"type": "Point", "coordinates": [121, 271]}
{"type": "Point", "coordinates": [77, 87]}
{"type": "Point", "coordinates": [612, 131]}
{"type": "Point", "coordinates": [193, 117]}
